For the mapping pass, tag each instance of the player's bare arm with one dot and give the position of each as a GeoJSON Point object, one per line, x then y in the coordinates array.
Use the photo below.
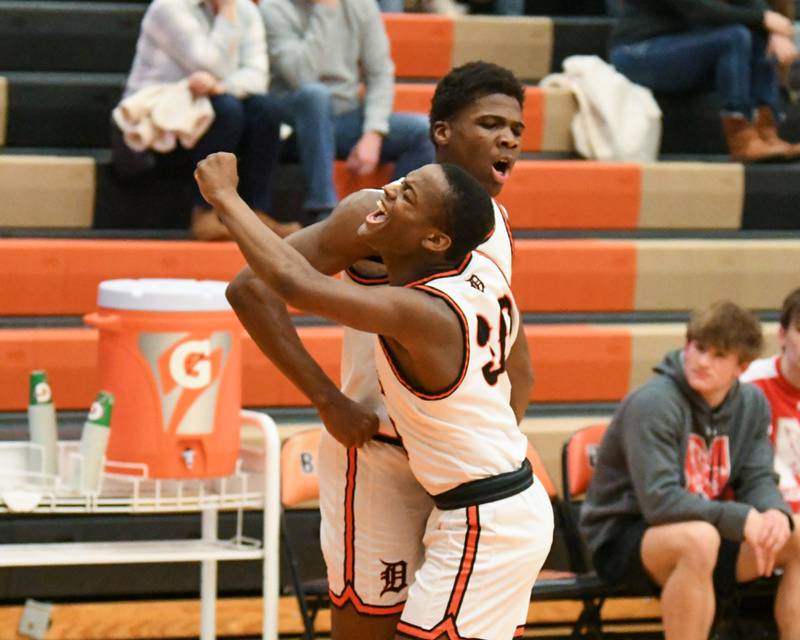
{"type": "Point", "coordinates": [416, 324]}
{"type": "Point", "coordinates": [520, 372]}
{"type": "Point", "coordinates": [328, 245]}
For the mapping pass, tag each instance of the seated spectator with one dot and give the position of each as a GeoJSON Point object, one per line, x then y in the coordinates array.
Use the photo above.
{"type": "Point", "coordinates": [686, 45]}
{"type": "Point", "coordinates": [320, 52]}
{"type": "Point", "coordinates": [779, 378]}
{"type": "Point", "coordinates": [220, 47]}
{"type": "Point", "coordinates": [684, 497]}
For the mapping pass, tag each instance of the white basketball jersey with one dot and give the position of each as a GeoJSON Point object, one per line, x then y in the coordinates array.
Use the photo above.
{"type": "Point", "coordinates": [359, 378]}
{"type": "Point", "coordinates": [467, 431]}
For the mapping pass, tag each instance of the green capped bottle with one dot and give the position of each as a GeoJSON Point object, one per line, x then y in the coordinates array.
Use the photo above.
{"type": "Point", "coordinates": [42, 423]}
{"type": "Point", "coordinates": [94, 440]}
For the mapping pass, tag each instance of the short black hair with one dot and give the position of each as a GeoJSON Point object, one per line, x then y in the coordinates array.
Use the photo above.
{"type": "Point", "coordinates": [469, 82]}
{"type": "Point", "coordinates": [469, 212]}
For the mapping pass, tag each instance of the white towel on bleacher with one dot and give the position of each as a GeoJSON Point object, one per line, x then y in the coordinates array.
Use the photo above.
{"type": "Point", "coordinates": [616, 119]}
{"type": "Point", "coordinates": [161, 115]}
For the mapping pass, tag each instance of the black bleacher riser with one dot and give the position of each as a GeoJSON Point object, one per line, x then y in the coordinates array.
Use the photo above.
{"type": "Point", "coordinates": [162, 199]}
{"type": "Point", "coordinates": [772, 197]}
{"type": "Point", "coordinates": [73, 111]}
{"type": "Point", "coordinates": [61, 109]}
{"type": "Point", "coordinates": [101, 37]}
{"type": "Point", "coordinates": [579, 36]}
{"type": "Point", "coordinates": [74, 36]}
{"type": "Point", "coordinates": [150, 581]}
{"type": "Point", "coordinates": [565, 7]}
{"type": "Point", "coordinates": [692, 125]}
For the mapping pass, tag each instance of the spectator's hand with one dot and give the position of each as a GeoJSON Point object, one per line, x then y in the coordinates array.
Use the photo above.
{"type": "Point", "coordinates": [327, 3]}
{"type": "Point", "coordinates": [776, 533]}
{"type": "Point", "coordinates": [202, 83]}
{"type": "Point", "coordinates": [217, 177]}
{"type": "Point", "coordinates": [753, 535]}
{"type": "Point", "coordinates": [351, 423]}
{"type": "Point", "coordinates": [783, 49]}
{"type": "Point", "coordinates": [366, 153]}
{"type": "Point", "coordinates": [774, 22]}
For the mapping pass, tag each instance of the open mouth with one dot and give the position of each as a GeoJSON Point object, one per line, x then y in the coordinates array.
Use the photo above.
{"type": "Point", "coordinates": [379, 215]}
{"type": "Point", "coordinates": [501, 169]}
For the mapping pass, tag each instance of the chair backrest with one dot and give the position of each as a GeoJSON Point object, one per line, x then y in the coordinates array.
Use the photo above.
{"type": "Point", "coordinates": [540, 472]}
{"type": "Point", "coordinates": [299, 475]}
{"type": "Point", "coordinates": [578, 459]}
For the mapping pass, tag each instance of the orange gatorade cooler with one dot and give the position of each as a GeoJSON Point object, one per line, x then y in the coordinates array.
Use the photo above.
{"type": "Point", "coordinates": [170, 352]}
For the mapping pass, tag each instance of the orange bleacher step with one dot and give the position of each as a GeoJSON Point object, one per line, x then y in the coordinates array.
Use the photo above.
{"type": "Point", "coordinates": [572, 363]}
{"type": "Point", "coordinates": [60, 277]}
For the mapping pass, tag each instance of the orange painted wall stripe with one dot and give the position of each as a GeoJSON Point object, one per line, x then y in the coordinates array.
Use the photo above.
{"type": "Point", "coordinates": [422, 44]}
{"type": "Point", "coordinates": [414, 97]}
{"type": "Point", "coordinates": [575, 275]}
{"type": "Point", "coordinates": [580, 363]}
{"type": "Point", "coordinates": [574, 195]}
{"type": "Point", "coordinates": [533, 116]}
{"type": "Point", "coordinates": [572, 362]}
{"type": "Point", "coordinates": [60, 277]}
{"type": "Point", "coordinates": [50, 277]}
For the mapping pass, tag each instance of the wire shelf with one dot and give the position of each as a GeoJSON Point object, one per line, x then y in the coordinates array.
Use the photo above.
{"type": "Point", "coordinates": [122, 488]}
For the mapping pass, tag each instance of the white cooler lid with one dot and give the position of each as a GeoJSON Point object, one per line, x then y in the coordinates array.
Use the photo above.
{"type": "Point", "coordinates": [163, 294]}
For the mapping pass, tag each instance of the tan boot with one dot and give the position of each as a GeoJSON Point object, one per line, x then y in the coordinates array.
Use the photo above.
{"type": "Point", "coordinates": [768, 132]}
{"type": "Point", "coordinates": [282, 229]}
{"type": "Point", "coordinates": [207, 226]}
{"type": "Point", "coordinates": [745, 145]}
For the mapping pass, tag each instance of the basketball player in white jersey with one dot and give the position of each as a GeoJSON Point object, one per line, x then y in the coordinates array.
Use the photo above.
{"type": "Point", "coordinates": [445, 328]}
{"type": "Point", "coordinates": [373, 509]}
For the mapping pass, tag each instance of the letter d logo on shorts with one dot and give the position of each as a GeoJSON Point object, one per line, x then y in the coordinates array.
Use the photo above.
{"type": "Point", "coordinates": [187, 368]}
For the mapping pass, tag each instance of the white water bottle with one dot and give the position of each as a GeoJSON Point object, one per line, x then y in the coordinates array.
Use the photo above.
{"type": "Point", "coordinates": [42, 424]}
{"type": "Point", "coordinates": [94, 440]}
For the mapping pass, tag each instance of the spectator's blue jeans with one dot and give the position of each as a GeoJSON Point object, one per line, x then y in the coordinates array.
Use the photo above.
{"type": "Point", "coordinates": [249, 128]}
{"type": "Point", "coordinates": [320, 137]}
{"type": "Point", "coordinates": [732, 58]}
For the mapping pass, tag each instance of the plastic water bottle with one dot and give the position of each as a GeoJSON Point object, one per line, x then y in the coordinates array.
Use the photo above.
{"type": "Point", "coordinates": [42, 422]}
{"type": "Point", "coordinates": [94, 440]}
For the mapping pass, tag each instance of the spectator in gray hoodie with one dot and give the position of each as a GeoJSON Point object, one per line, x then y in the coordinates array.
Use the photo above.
{"type": "Point", "coordinates": [320, 52]}
{"type": "Point", "coordinates": [684, 498]}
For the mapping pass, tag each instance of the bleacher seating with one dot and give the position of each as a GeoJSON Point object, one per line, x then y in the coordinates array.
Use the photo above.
{"type": "Point", "coordinates": [610, 256]}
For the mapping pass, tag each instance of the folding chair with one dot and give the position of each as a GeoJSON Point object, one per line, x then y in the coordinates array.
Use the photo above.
{"type": "Point", "coordinates": [300, 484]}
{"type": "Point", "coordinates": [562, 585]}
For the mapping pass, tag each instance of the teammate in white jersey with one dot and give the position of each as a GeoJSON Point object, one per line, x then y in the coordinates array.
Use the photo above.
{"type": "Point", "coordinates": [373, 509]}
{"type": "Point", "coordinates": [446, 387]}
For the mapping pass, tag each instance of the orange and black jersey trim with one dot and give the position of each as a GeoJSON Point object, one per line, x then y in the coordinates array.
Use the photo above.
{"type": "Point", "coordinates": [448, 626]}
{"type": "Point", "coordinates": [438, 394]}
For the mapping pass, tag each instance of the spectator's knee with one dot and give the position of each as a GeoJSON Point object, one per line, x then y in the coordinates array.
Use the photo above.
{"type": "Point", "coordinates": [739, 37]}
{"type": "Point", "coordinates": [263, 106]}
{"type": "Point", "coordinates": [700, 545]}
{"type": "Point", "coordinates": [313, 97]}
{"type": "Point", "coordinates": [227, 107]}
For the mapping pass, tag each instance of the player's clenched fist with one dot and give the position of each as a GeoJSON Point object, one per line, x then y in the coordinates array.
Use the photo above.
{"type": "Point", "coordinates": [217, 177]}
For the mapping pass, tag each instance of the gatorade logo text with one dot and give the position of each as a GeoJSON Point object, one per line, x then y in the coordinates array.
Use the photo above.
{"type": "Point", "coordinates": [42, 392]}
{"type": "Point", "coordinates": [189, 365]}
{"type": "Point", "coordinates": [188, 368]}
